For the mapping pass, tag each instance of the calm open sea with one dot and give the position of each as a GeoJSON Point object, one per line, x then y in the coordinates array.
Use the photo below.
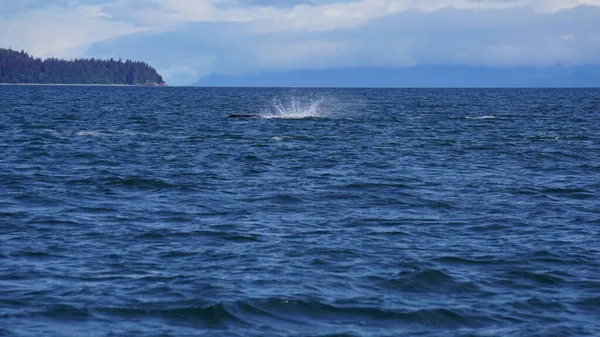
{"type": "Point", "coordinates": [131, 211]}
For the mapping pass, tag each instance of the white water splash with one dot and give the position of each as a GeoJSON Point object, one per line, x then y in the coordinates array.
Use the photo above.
{"type": "Point", "coordinates": [295, 109]}
{"type": "Point", "coordinates": [88, 133]}
{"type": "Point", "coordinates": [482, 117]}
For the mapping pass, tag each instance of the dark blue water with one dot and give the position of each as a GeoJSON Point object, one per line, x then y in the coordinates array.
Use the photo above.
{"type": "Point", "coordinates": [148, 212]}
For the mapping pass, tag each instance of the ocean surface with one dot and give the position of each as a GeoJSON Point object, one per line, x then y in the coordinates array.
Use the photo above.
{"type": "Point", "coordinates": [130, 211]}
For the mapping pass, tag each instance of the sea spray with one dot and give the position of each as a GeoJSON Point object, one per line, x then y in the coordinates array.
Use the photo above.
{"type": "Point", "coordinates": [295, 108]}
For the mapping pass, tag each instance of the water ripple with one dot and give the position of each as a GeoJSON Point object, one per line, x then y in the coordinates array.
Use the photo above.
{"type": "Point", "coordinates": [345, 212]}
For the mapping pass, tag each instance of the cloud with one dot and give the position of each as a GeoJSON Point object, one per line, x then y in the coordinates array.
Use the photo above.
{"type": "Point", "coordinates": [187, 39]}
{"type": "Point", "coordinates": [58, 28]}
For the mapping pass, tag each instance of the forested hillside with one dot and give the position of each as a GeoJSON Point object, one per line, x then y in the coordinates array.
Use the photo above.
{"type": "Point", "coordinates": [20, 67]}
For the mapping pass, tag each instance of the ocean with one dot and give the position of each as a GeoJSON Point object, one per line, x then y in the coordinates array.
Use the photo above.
{"type": "Point", "coordinates": [133, 211]}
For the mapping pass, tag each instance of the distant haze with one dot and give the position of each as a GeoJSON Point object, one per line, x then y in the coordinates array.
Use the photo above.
{"type": "Point", "coordinates": [187, 41]}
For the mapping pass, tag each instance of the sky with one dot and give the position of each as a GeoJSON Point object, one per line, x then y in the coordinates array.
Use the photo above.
{"type": "Point", "coordinates": [186, 40]}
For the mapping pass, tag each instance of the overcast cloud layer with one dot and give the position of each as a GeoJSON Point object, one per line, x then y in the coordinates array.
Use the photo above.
{"type": "Point", "coordinates": [188, 39]}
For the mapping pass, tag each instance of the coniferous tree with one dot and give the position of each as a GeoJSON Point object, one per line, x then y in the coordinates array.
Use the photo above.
{"type": "Point", "coordinates": [20, 67]}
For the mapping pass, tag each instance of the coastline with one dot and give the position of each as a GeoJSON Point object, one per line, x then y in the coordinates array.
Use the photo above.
{"type": "Point", "coordinates": [82, 85]}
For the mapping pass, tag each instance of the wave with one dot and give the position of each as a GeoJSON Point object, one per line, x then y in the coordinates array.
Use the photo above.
{"type": "Point", "coordinates": [293, 315]}
{"type": "Point", "coordinates": [160, 235]}
{"type": "Point", "coordinates": [482, 117]}
{"type": "Point", "coordinates": [141, 183]}
{"type": "Point", "coordinates": [276, 314]}
{"type": "Point", "coordinates": [89, 133]}
{"type": "Point", "coordinates": [429, 280]}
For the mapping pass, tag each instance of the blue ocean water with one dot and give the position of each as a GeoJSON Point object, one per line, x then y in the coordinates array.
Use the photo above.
{"type": "Point", "coordinates": [130, 211]}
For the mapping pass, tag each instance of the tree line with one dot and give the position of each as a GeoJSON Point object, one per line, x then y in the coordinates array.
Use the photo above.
{"type": "Point", "coordinates": [20, 67]}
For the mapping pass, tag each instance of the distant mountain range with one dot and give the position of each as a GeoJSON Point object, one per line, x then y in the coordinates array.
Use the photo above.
{"type": "Point", "coordinates": [421, 76]}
